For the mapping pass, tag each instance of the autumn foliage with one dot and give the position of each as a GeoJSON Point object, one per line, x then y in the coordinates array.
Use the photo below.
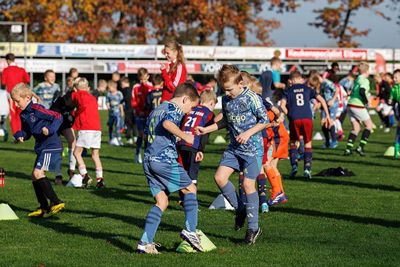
{"type": "Point", "coordinates": [137, 21]}
{"type": "Point", "coordinates": [335, 20]}
{"type": "Point", "coordinates": [196, 22]}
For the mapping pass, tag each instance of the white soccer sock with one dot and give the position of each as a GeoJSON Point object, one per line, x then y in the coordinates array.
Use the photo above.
{"type": "Point", "coordinates": [99, 173]}
{"type": "Point", "coordinates": [82, 170]}
{"type": "Point", "coordinates": [72, 160]}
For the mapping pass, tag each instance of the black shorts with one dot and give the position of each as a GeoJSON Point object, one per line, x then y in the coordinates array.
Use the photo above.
{"type": "Point", "coordinates": [68, 121]}
{"type": "Point", "coordinates": [187, 157]}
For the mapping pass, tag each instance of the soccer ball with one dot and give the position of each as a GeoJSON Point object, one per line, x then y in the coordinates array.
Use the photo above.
{"type": "Point", "coordinates": [75, 181]}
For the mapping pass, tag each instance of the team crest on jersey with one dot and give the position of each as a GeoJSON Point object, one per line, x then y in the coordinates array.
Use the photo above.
{"type": "Point", "coordinates": [242, 106]}
{"type": "Point", "coordinates": [33, 118]}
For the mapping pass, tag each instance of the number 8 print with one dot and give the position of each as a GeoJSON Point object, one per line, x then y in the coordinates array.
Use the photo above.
{"type": "Point", "coordinates": [299, 100]}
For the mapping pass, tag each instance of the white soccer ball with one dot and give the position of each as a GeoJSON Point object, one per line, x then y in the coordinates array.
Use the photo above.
{"type": "Point", "coordinates": [75, 181]}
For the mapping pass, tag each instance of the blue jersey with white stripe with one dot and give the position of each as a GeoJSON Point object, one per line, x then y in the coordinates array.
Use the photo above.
{"type": "Point", "coordinates": [241, 114]}
{"type": "Point", "coordinates": [161, 143]}
{"type": "Point", "coordinates": [33, 118]}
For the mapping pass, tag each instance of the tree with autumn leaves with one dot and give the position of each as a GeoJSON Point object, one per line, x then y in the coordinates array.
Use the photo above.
{"type": "Point", "coordinates": [335, 20]}
{"type": "Point", "coordinates": [196, 22]}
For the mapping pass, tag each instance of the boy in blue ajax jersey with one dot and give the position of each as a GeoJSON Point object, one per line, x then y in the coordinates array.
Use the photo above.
{"type": "Point", "coordinates": [48, 91]}
{"type": "Point", "coordinates": [245, 116]}
{"type": "Point", "coordinates": [114, 101]}
{"type": "Point", "coordinates": [330, 92]}
{"type": "Point", "coordinates": [164, 174]}
{"type": "Point", "coordinates": [42, 124]}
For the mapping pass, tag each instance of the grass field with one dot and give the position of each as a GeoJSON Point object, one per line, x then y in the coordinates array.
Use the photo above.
{"type": "Point", "coordinates": [348, 221]}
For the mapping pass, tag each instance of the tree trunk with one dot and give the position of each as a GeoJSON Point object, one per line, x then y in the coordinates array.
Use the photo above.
{"type": "Point", "coordinates": [345, 23]}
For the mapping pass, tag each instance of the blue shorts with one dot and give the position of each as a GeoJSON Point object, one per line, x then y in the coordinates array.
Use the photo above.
{"type": "Point", "coordinates": [49, 160]}
{"type": "Point", "coordinates": [140, 123]}
{"type": "Point", "coordinates": [167, 177]}
{"type": "Point", "coordinates": [250, 166]}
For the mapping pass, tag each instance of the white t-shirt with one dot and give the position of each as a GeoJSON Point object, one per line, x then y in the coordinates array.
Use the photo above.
{"type": "Point", "coordinates": [4, 104]}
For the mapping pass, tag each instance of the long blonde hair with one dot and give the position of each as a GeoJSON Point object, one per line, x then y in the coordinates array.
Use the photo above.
{"type": "Point", "coordinates": [180, 59]}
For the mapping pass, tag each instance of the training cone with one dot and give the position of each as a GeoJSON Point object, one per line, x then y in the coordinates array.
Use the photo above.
{"type": "Point", "coordinates": [389, 152]}
{"type": "Point", "coordinates": [220, 202]}
{"type": "Point", "coordinates": [6, 213]}
{"type": "Point", "coordinates": [318, 137]}
{"type": "Point", "coordinates": [219, 140]}
{"type": "Point", "coordinates": [206, 243]}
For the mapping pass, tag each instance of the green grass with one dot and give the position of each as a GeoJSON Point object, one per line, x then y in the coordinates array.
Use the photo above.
{"type": "Point", "coordinates": [350, 221]}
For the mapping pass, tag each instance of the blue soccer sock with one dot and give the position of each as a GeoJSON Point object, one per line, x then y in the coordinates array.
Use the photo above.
{"type": "Point", "coordinates": [153, 220]}
{"type": "Point", "coordinates": [333, 134]}
{"type": "Point", "coordinates": [242, 194]}
{"type": "Point", "coordinates": [229, 193]}
{"type": "Point", "coordinates": [300, 150]}
{"type": "Point", "coordinates": [391, 120]}
{"type": "Point", "coordinates": [110, 132]}
{"type": "Point", "coordinates": [262, 187]}
{"type": "Point", "coordinates": [252, 210]}
{"type": "Point", "coordinates": [139, 142]}
{"type": "Point", "coordinates": [190, 205]}
{"type": "Point", "coordinates": [293, 155]}
{"type": "Point", "coordinates": [307, 159]}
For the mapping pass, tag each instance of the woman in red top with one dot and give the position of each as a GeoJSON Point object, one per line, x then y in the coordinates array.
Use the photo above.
{"type": "Point", "coordinates": [173, 73]}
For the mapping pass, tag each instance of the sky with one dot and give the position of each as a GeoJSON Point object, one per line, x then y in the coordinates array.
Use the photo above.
{"type": "Point", "coordinates": [295, 31]}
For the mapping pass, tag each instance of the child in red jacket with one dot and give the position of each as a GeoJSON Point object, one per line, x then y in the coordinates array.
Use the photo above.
{"type": "Point", "coordinates": [173, 73]}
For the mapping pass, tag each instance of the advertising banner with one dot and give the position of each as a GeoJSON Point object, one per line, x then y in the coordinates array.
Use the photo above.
{"type": "Point", "coordinates": [98, 50]}
{"type": "Point", "coordinates": [18, 49]}
{"type": "Point", "coordinates": [326, 54]}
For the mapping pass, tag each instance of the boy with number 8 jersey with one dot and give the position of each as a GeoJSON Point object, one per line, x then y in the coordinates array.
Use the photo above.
{"type": "Point", "coordinates": [296, 104]}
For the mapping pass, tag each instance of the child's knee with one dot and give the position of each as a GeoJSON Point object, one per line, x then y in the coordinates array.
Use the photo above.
{"type": "Point", "coordinates": [249, 185]}
{"type": "Point", "coordinates": [95, 154]}
{"type": "Point", "coordinates": [190, 189]}
{"type": "Point", "coordinates": [77, 151]}
{"type": "Point", "coordinates": [220, 179]}
{"type": "Point", "coordinates": [308, 144]}
{"type": "Point", "coordinates": [37, 174]}
{"type": "Point", "coordinates": [162, 203]}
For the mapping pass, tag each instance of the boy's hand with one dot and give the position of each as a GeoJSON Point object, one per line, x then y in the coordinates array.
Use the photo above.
{"type": "Point", "coordinates": [20, 139]}
{"type": "Point", "coordinates": [188, 138]}
{"type": "Point", "coordinates": [274, 123]}
{"type": "Point", "coordinates": [200, 130]}
{"type": "Point", "coordinates": [243, 137]}
{"type": "Point", "coordinates": [45, 131]}
{"type": "Point", "coordinates": [199, 156]}
{"type": "Point", "coordinates": [327, 122]}
{"type": "Point", "coordinates": [330, 103]}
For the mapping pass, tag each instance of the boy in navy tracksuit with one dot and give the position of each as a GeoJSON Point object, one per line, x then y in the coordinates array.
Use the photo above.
{"type": "Point", "coordinates": [42, 124]}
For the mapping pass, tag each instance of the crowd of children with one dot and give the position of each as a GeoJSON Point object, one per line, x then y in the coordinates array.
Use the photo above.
{"type": "Point", "coordinates": [171, 118]}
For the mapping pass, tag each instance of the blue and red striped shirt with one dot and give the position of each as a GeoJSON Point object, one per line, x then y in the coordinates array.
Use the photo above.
{"type": "Point", "coordinates": [199, 116]}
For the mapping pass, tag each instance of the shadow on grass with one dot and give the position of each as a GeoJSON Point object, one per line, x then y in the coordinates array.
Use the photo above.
{"type": "Point", "coordinates": [132, 195]}
{"type": "Point", "coordinates": [19, 175]}
{"type": "Point", "coordinates": [338, 216]}
{"type": "Point", "coordinates": [68, 228]}
{"type": "Point", "coordinates": [355, 184]}
{"type": "Point", "coordinates": [18, 149]}
{"type": "Point", "coordinates": [349, 160]}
